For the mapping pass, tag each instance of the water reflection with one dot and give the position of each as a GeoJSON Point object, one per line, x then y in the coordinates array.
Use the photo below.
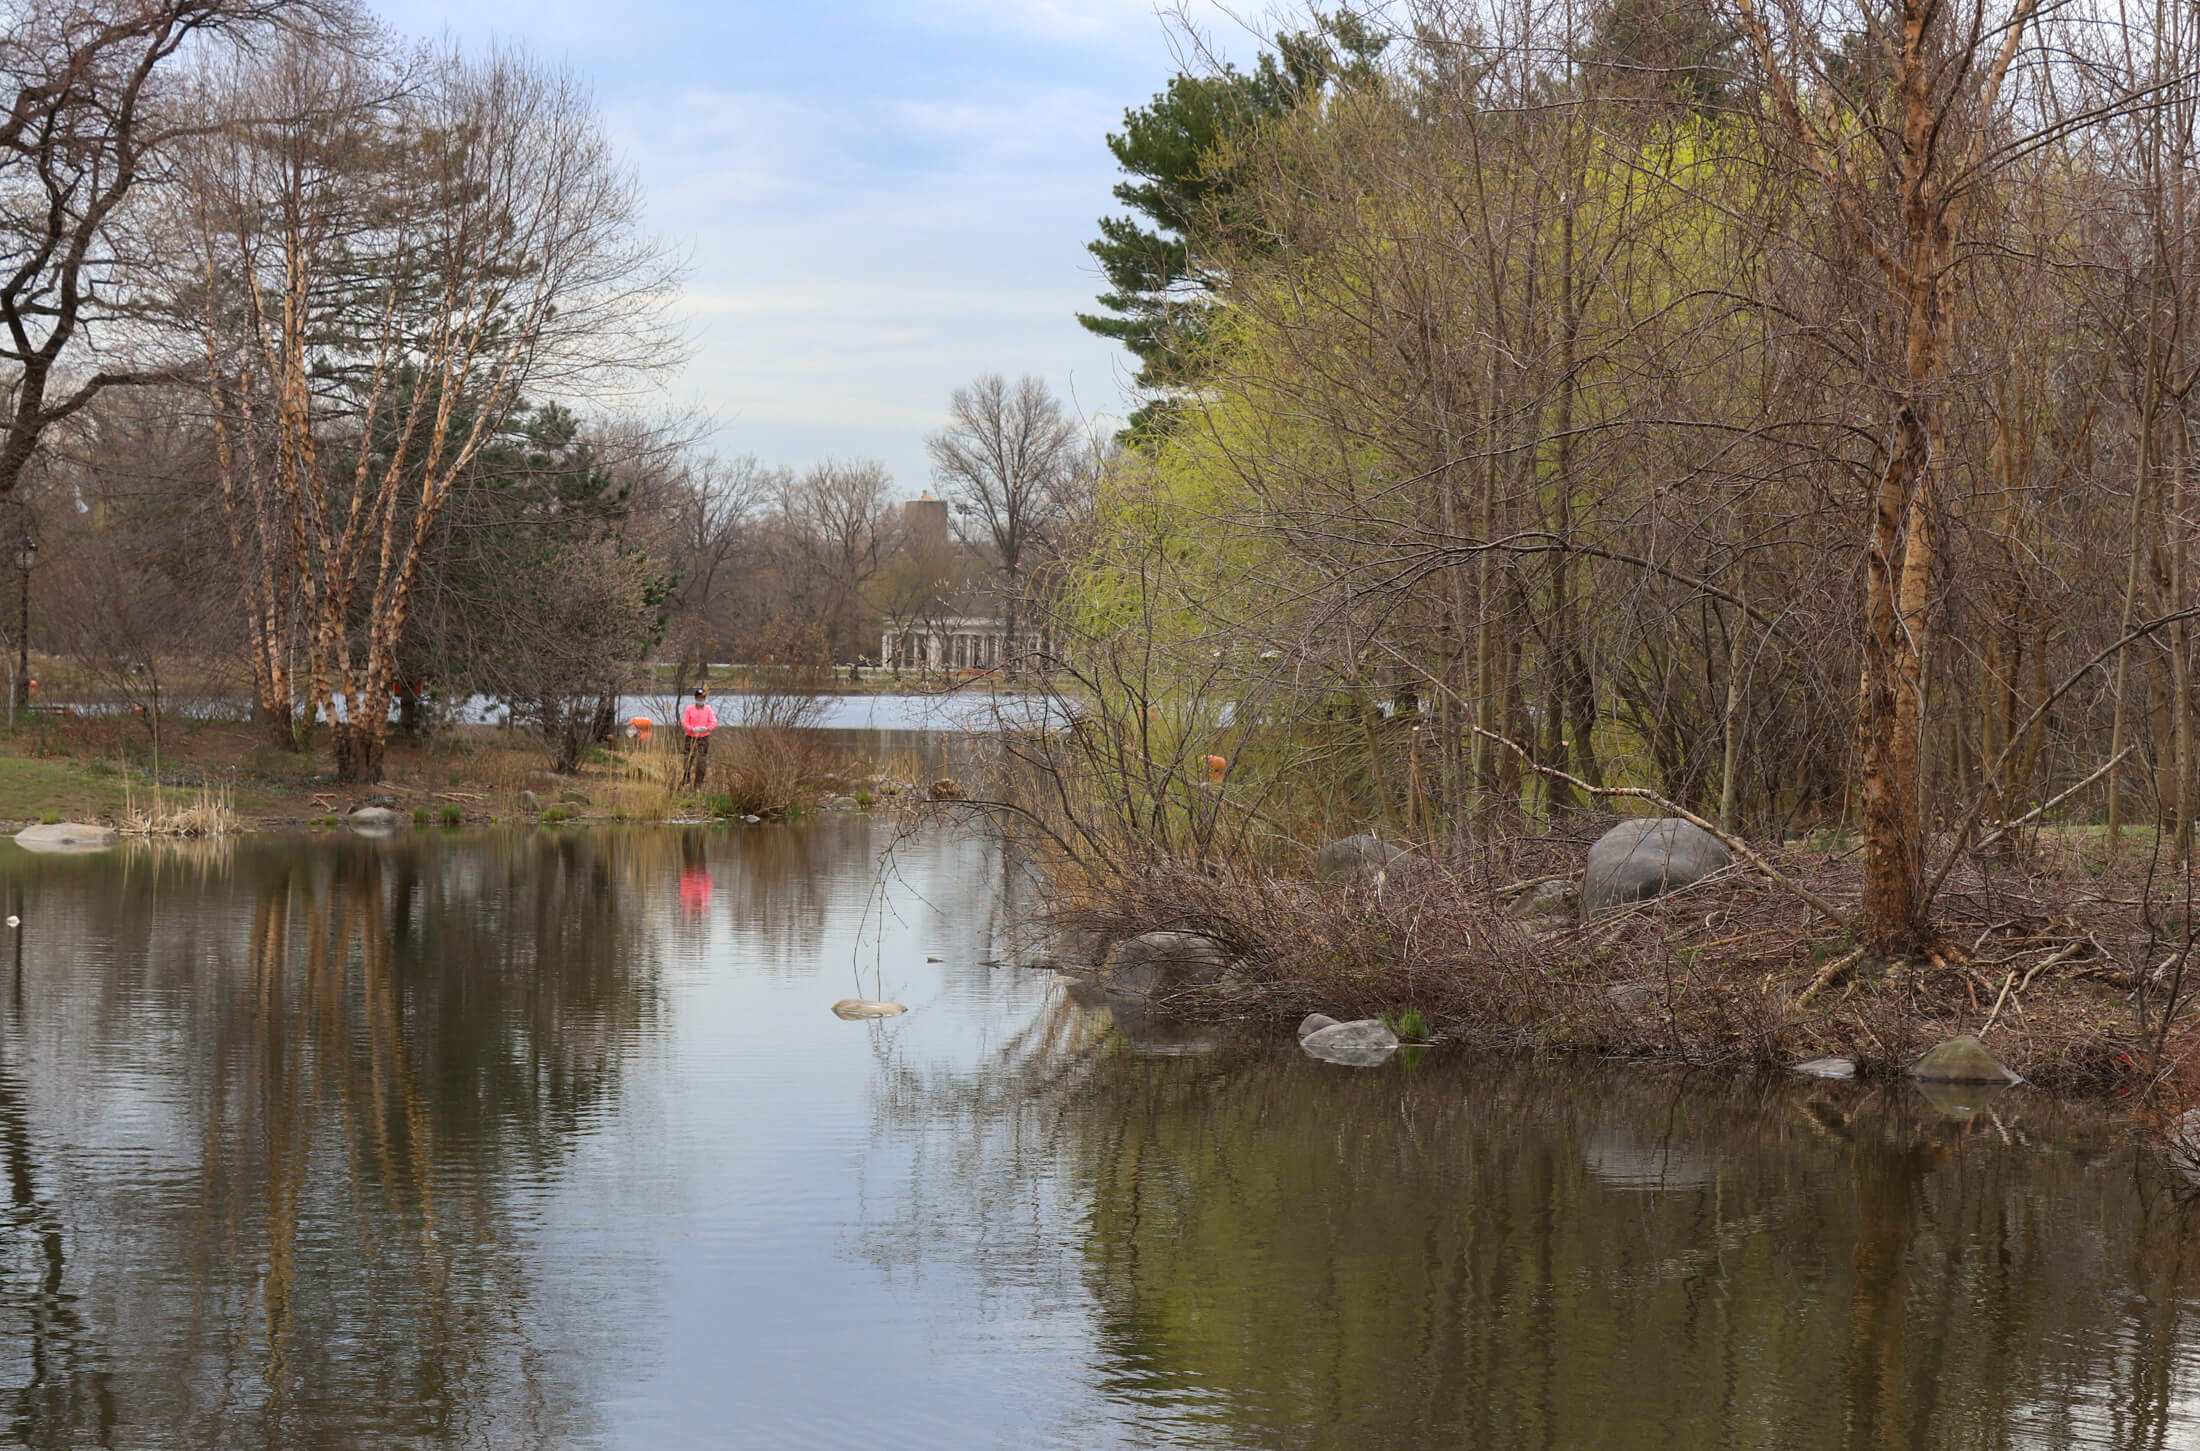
{"type": "Point", "coordinates": [299, 1123]}
{"type": "Point", "coordinates": [1276, 1253]}
{"type": "Point", "coordinates": [550, 1139]}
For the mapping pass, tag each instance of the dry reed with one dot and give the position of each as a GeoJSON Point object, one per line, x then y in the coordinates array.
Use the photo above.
{"type": "Point", "coordinates": [207, 813]}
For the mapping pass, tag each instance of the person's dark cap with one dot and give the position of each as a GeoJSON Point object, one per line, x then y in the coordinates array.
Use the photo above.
{"type": "Point", "coordinates": [698, 692]}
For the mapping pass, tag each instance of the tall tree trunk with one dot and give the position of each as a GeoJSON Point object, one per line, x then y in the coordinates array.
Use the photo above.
{"type": "Point", "coordinates": [1896, 578]}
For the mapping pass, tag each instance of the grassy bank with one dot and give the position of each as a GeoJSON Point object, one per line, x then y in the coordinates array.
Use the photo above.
{"type": "Point", "coordinates": [95, 769]}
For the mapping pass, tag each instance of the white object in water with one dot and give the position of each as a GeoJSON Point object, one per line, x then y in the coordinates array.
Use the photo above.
{"type": "Point", "coordinates": [867, 1008]}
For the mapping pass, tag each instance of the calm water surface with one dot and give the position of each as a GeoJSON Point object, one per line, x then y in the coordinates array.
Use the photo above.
{"type": "Point", "coordinates": [549, 1140]}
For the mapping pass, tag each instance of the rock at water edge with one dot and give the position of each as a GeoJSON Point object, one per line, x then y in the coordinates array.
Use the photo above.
{"type": "Point", "coordinates": [1154, 964]}
{"type": "Point", "coordinates": [1314, 1023]}
{"type": "Point", "coordinates": [1365, 1043]}
{"type": "Point", "coordinates": [1361, 1033]}
{"type": "Point", "coordinates": [1826, 1068]}
{"type": "Point", "coordinates": [1962, 1059]}
{"type": "Point", "coordinates": [1960, 1101]}
{"type": "Point", "coordinates": [867, 1008]}
{"type": "Point", "coordinates": [1646, 858]}
{"type": "Point", "coordinates": [66, 836]}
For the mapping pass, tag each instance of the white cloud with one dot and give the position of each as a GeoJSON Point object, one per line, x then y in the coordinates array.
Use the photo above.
{"type": "Point", "coordinates": [880, 201]}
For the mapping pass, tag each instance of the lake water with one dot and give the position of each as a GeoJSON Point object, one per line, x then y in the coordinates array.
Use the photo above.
{"type": "Point", "coordinates": [550, 1140]}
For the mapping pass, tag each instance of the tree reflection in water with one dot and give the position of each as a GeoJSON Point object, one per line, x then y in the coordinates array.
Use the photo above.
{"type": "Point", "coordinates": [284, 1130]}
{"type": "Point", "coordinates": [358, 1057]}
{"type": "Point", "coordinates": [1273, 1252]}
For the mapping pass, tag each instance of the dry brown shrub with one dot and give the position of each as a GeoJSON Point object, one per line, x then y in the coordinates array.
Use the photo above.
{"type": "Point", "coordinates": [767, 770]}
{"type": "Point", "coordinates": [1714, 973]}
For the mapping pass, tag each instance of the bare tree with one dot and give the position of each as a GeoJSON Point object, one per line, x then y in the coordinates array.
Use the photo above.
{"type": "Point", "coordinates": [832, 528]}
{"type": "Point", "coordinates": [388, 270]}
{"type": "Point", "coordinates": [1009, 457]}
{"type": "Point", "coordinates": [86, 126]}
{"type": "Point", "coordinates": [1924, 120]}
{"type": "Point", "coordinates": [700, 516]}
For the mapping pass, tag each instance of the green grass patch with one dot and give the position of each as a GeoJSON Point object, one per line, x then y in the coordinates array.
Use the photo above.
{"type": "Point", "coordinates": [1409, 1025]}
{"type": "Point", "coordinates": [48, 789]}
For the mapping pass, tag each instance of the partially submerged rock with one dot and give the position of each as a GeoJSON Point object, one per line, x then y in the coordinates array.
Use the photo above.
{"type": "Point", "coordinates": [1962, 1059]}
{"type": "Point", "coordinates": [1156, 964]}
{"type": "Point", "coordinates": [374, 818]}
{"type": "Point", "coordinates": [1960, 1100]}
{"type": "Point", "coordinates": [1826, 1068]}
{"type": "Point", "coordinates": [1646, 858]}
{"type": "Point", "coordinates": [66, 836]}
{"type": "Point", "coordinates": [867, 1008]}
{"type": "Point", "coordinates": [1362, 858]}
{"type": "Point", "coordinates": [1364, 1043]}
{"type": "Point", "coordinates": [1314, 1023]}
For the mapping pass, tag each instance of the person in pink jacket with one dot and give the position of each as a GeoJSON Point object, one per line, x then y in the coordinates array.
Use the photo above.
{"type": "Point", "coordinates": [696, 724]}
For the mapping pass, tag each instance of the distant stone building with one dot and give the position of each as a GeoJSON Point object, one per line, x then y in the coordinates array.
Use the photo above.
{"type": "Point", "coordinates": [948, 642]}
{"type": "Point", "coordinates": [938, 619]}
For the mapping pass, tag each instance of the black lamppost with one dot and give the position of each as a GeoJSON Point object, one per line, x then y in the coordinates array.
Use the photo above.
{"type": "Point", "coordinates": [26, 554]}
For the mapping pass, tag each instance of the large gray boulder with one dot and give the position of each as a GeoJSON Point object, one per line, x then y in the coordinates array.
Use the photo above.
{"type": "Point", "coordinates": [1156, 964]}
{"type": "Point", "coordinates": [1962, 1059]}
{"type": "Point", "coordinates": [1360, 858]}
{"type": "Point", "coordinates": [1363, 1043]}
{"type": "Point", "coordinates": [62, 836]}
{"type": "Point", "coordinates": [1646, 858]}
{"type": "Point", "coordinates": [374, 820]}
{"type": "Point", "coordinates": [1314, 1023]}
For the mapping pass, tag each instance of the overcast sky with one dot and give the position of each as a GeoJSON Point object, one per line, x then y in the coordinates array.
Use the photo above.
{"type": "Point", "coordinates": [880, 201]}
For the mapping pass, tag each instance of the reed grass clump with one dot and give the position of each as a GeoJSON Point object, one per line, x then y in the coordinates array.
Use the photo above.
{"type": "Point", "coordinates": [207, 812]}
